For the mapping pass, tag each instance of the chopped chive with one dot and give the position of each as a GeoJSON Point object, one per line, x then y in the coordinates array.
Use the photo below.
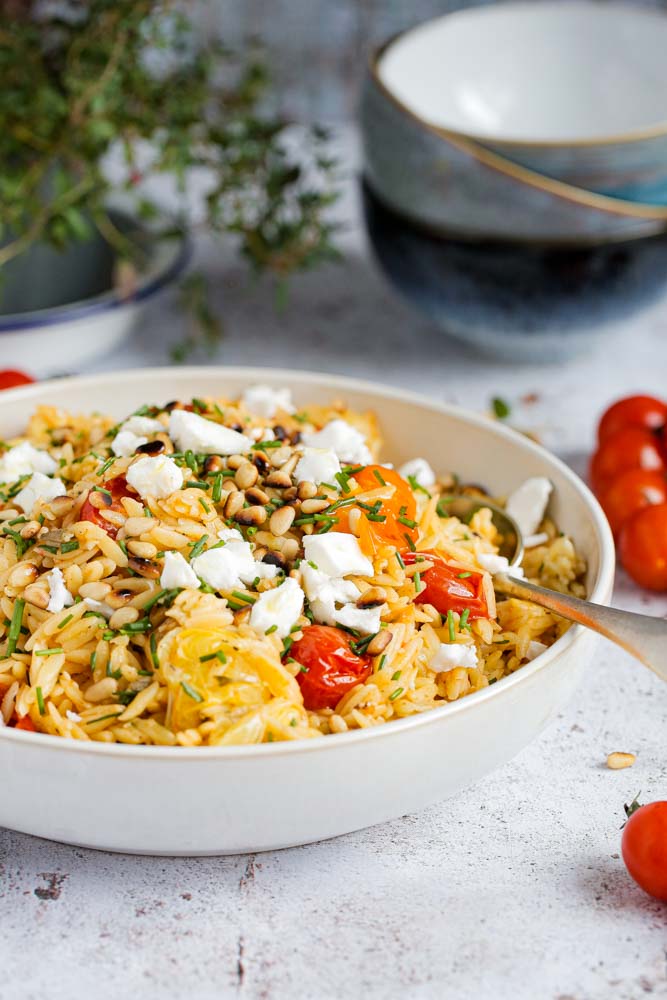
{"type": "Point", "coordinates": [65, 621]}
{"type": "Point", "coordinates": [147, 512]}
{"type": "Point", "coordinates": [261, 445]}
{"type": "Point", "coordinates": [395, 694]}
{"type": "Point", "coordinates": [69, 546]}
{"type": "Point", "coordinates": [153, 601]}
{"type": "Point", "coordinates": [242, 596]}
{"type": "Point", "coordinates": [376, 517]}
{"type": "Point", "coordinates": [287, 645]}
{"type": "Point", "coordinates": [418, 583]}
{"type": "Point", "coordinates": [270, 629]}
{"type": "Point", "coordinates": [199, 405]}
{"type": "Point", "coordinates": [399, 560]}
{"type": "Point", "coordinates": [93, 660]}
{"type": "Point", "coordinates": [463, 576]}
{"type": "Point", "coordinates": [143, 625]}
{"type": "Point", "coordinates": [395, 676]}
{"type": "Point", "coordinates": [17, 520]}
{"type": "Point", "coordinates": [53, 549]}
{"type": "Point", "coordinates": [103, 468]}
{"type": "Point", "coordinates": [204, 505]}
{"type": "Point", "coordinates": [103, 718]}
{"type": "Point", "coordinates": [217, 488]}
{"type": "Point", "coordinates": [407, 521]}
{"type": "Point", "coordinates": [343, 481]}
{"type": "Point", "coordinates": [190, 460]}
{"type": "Point", "coordinates": [100, 489]}
{"type": "Point", "coordinates": [207, 657]}
{"type": "Point", "coordinates": [411, 544]}
{"type": "Point", "coordinates": [417, 487]}
{"type": "Point", "coordinates": [49, 652]}
{"type": "Point", "coordinates": [196, 484]}
{"type": "Point", "coordinates": [198, 547]}
{"type": "Point", "coordinates": [190, 691]}
{"type": "Point", "coordinates": [108, 635]}
{"type": "Point", "coordinates": [501, 407]}
{"type": "Point", "coordinates": [379, 478]}
{"type": "Point", "coordinates": [451, 625]}
{"type": "Point", "coordinates": [153, 649]}
{"type": "Point", "coordinates": [15, 625]}
{"type": "Point", "coordinates": [40, 701]}
{"type": "Point", "coordinates": [463, 623]}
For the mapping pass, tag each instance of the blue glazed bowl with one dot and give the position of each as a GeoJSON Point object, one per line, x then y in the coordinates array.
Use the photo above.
{"type": "Point", "coordinates": [574, 90]}
{"type": "Point", "coordinates": [517, 302]}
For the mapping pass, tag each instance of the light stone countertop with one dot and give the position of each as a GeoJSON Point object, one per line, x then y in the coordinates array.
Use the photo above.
{"type": "Point", "coordinates": [514, 889]}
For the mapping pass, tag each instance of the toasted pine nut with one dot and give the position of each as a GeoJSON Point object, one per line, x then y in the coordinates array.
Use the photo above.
{"type": "Point", "coordinates": [246, 476]}
{"type": "Point", "coordinates": [36, 594]}
{"type": "Point", "coordinates": [213, 464]}
{"type": "Point", "coordinates": [255, 495]}
{"type": "Point", "coordinates": [306, 490]}
{"type": "Point", "coordinates": [354, 520]}
{"type": "Point", "coordinates": [281, 520]}
{"type": "Point", "coordinates": [314, 506]}
{"type": "Point", "coordinates": [278, 479]}
{"type": "Point", "coordinates": [22, 575]}
{"type": "Point", "coordinates": [123, 616]}
{"type": "Point", "coordinates": [96, 591]}
{"type": "Point", "coordinates": [290, 549]}
{"type": "Point", "coordinates": [30, 530]}
{"type": "Point", "coordinates": [236, 461]}
{"type": "Point", "coordinates": [144, 567]}
{"type": "Point", "coordinates": [234, 503]}
{"type": "Point", "coordinates": [279, 456]}
{"type": "Point", "coordinates": [372, 598]}
{"type": "Point", "coordinates": [144, 549]}
{"type": "Point", "coordinates": [251, 515]}
{"type": "Point", "coordinates": [618, 760]}
{"type": "Point", "coordinates": [379, 642]}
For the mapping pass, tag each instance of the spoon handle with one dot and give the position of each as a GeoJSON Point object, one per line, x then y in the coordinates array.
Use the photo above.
{"type": "Point", "coordinates": [641, 635]}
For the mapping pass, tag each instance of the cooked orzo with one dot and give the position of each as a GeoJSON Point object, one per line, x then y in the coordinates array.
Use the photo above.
{"type": "Point", "coordinates": [216, 572]}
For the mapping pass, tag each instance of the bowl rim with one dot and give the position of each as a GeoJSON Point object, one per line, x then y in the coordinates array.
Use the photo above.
{"type": "Point", "coordinates": [600, 588]}
{"type": "Point", "coordinates": [516, 171]}
{"type": "Point", "coordinates": [621, 138]}
{"type": "Point", "coordinates": [147, 286]}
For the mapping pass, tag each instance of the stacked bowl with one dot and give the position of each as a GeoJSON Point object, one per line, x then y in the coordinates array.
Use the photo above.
{"type": "Point", "coordinates": [515, 170]}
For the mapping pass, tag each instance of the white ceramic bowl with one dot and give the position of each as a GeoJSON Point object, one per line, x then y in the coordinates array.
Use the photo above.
{"type": "Point", "coordinates": [165, 800]}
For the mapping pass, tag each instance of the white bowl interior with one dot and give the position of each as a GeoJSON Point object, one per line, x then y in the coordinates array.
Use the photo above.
{"type": "Point", "coordinates": [555, 71]}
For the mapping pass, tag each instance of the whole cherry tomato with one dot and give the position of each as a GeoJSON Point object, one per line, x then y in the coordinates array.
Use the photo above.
{"type": "Point", "coordinates": [10, 377]}
{"type": "Point", "coordinates": [331, 668]}
{"type": "Point", "coordinates": [627, 449]}
{"type": "Point", "coordinates": [632, 491]}
{"type": "Point", "coordinates": [115, 490]}
{"type": "Point", "coordinates": [391, 522]}
{"type": "Point", "coordinates": [449, 588]}
{"type": "Point", "coordinates": [644, 847]}
{"type": "Point", "coordinates": [643, 547]}
{"type": "Point", "coordinates": [643, 412]}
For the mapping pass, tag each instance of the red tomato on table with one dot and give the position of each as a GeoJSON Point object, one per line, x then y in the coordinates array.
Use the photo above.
{"type": "Point", "coordinates": [393, 521]}
{"type": "Point", "coordinates": [632, 491]}
{"type": "Point", "coordinates": [10, 378]}
{"type": "Point", "coordinates": [449, 588]}
{"type": "Point", "coordinates": [643, 547]}
{"type": "Point", "coordinates": [331, 667]}
{"type": "Point", "coordinates": [643, 412]}
{"type": "Point", "coordinates": [630, 448]}
{"type": "Point", "coordinates": [116, 489]}
{"type": "Point", "coordinates": [644, 848]}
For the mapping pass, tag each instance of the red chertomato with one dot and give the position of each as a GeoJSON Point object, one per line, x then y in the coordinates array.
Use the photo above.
{"type": "Point", "coordinates": [9, 378]}
{"type": "Point", "coordinates": [632, 491]}
{"type": "Point", "coordinates": [332, 668]}
{"type": "Point", "coordinates": [27, 724]}
{"type": "Point", "coordinates": [391, 524]}
{"type": "Point", "coordinates": [449, 588]}
{"type": "Point", "coordinates": [118, 489]}
{"type": "Point", "coordinates": [643, 412]}
{"type": "Point", "coordinates": [643, 547]}
{"type": "Point", "coordinates": [627, 449]}
{"type": "Point", "coordinates": [644, 847]}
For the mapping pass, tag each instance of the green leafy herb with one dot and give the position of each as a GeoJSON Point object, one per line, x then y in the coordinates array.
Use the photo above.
{"type": "Point", "coordinates": [40, 700]}
{"type": "Point", "coordinates": [190, 691]}
{"type": "Point", "coordinates": [501, 407]}
{"type": "Point", "coordinates": [451, 625]}
{"type": "Point", "coordinates": [15, 625]}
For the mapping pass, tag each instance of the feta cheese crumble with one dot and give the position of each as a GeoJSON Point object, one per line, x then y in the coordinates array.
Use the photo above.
{"type": "Point", "coordinates": [60, 596]}
{"type": "Point", "coordinates": [280, 607]}
{"type": "Point", "coordinates": [453, 654]}
{"type": "Point", "coordinates": [345, 440]}
{"type": "Point", "coordinates": [132, 434]}
{"type": "Point", "coordinates": [535, 648]}
{"type": "Point", "coordinates": [231, 565]}
{"type": "Point", "coordinates": [337, 554]}
{"type": "Point", "coordinates": [101, 607]}
{"type": "Point", "coordinates": [24, 459]}
{"type": "Point", "coordinates": [528, 503]}
{"type": "Point", "coordinates": [324, 592]}
{"type": "Point", "coordinates": [155, 477]}
{"type": "Point", "coordinates": [366, 620]}
{"type": "Point", "coordinates": [317, 465]}
{"type": "Point", "coordinates": [190, 432]}
{"type": "Point", "coordinates": [420, 470]}
{"type": "Point", "coordinates": [177, 572]}
{"type": "Point", "coordinates": [493, 563]}
{"type": "Point", "coordinates": [264, 401]}
{"type": "Point", "coordinates": [38, 487]}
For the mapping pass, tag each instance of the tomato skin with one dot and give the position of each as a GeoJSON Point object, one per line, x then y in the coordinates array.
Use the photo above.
{"type": "Point", "coordinates": [643, 547]}
{"type": "Point", "coordinates": [445, 589]}
{"type": "Point", "coordinates": [26, 724]}
{"type": "Point", "coordinates": [631, 492]}
{"type": "Point", "coordinates": [644, 848]}
{"type": "Point", "coordinates": [332, 667]}
{"type": "Point", "coordinates": [118, 488]}
{"type": "Point", "coordinates": [11, 377]}
{"type": "Point", "coordinates": [631, 448]}
{"type": "Point", "coordinates": [643, 412]}
{"type": "Point", "coordinates": [391, 531]}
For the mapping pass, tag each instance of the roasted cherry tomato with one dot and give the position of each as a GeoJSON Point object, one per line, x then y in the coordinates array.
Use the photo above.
{"type": "Point", "coordinates": [640, 412]}
{"type": "Point", "coordinates": [644, 847]}
{"type": "Point", "coordinates": [449, 588]}
{"type": "Point", "coordinates": [392, 522]}
{"type": "Point", "coordinates": [10, 377]}
{"type": "Point", "coordinates": [331, 668]}
{"type": "Point", "coordinates": [627, 449]}
{"type": "Point", "coordinates": [632, 491]}
{"type": "Point", "coordinates": [27, 724]}
{"type": "Point", "coordinates": [116, 489]}
{"type": "Point", "coordinates": [643, 547]}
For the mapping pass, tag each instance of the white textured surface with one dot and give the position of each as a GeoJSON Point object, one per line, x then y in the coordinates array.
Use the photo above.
{"type": "Point", "coordinates": [514, 889]}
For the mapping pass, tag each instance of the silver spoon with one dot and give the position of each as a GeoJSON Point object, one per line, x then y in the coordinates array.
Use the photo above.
{"type": "Point", "coordinates": [641, 635]}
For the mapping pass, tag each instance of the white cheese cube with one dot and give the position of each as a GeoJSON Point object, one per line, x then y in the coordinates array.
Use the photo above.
{"type": "Point", "coordinates": [38, 487]}
{"type": "Point", "coordinates": [60, 596]}
{"type": "Point", "coordinates": [420, 470]}
{"type": "Point", "coordinates": [365, 620]}
{"type": "Point", "coordinates": [265, 401]}
{"type": "Point", "coordinates": [345, 440]}
{"type": "Point", "coordinates": [324, 592]}
{"type": "Point", "coordinates": [225, 568]}
{"type": "Point", "coordinates": [280, 607]}
{"type": "Point", "coordinates": [177, 572]}
{"type": "Point", "coordinates": [453, 654]}
{"type": "Point", "coordinates": [337, 554]}
{"type": "Point", "coordinates": [317, 465]}
{"type": "Point", "coordinates": [190, 432]}
{"type": "Point", "coordinates": [155, 477]}
{"type": "Point", "coordinates": [528, 503]}
{"type": "Point", "coordinates": [24, 459]}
